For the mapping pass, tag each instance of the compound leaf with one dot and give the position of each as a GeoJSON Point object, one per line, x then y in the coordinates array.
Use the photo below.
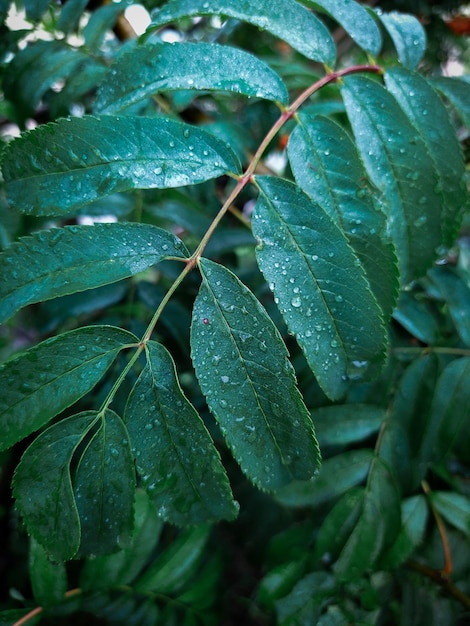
{"type": "Point", "coordinates": [158, 67]}
{"type": "Point", "coordinates": [408, 36]}
{"type": "Point", "coordinates": [319, 285]}
{"type": "Point", "coordinates": [61, 261]}
{"type": "Point", "coordinates": [356, 21]}
{"type": "Point", "coordinates": [429, 116]}
{"type": "Point", "coordinates": [61, 166]}
{"type": "Point", "coordinates": [104, 487]}
{"type": "Point", "coordinates": [399, 164]}
{"type": "Point", "coordinates": [285, 19]}
{"type": "Point", "coordinates": [326, 166]}
{"type": "Point", "coordinates": [49, 377]}
{"type": "Point", "coordinates": [178, 462]}
{"type": "Point", "coordinates": [42, 486]}
{"type": "Point", "coordinates": [243, 370]}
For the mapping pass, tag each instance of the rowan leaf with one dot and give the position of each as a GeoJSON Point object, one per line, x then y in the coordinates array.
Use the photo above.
{"type": "Point", "coordinates": [243, 371]}
{"type": "Point", "coordinates": [159, 67]}
{"type": "Point", "coordinates": [457, 91]}
{"type": "Point", "coordinates": [49, 377]}
{"type": "Point", "coordinates": [59, 167]}
{"type": "Point", "coordinates": [285, 19]}
{"type": "Point", "coordinates": [176, 458]}
{"type": "Point", "coordinates": [56, 262]}
{"type": "Point", "coordinates": [319, 285]}
{"type": "Point", "coordinates": [408, 36]}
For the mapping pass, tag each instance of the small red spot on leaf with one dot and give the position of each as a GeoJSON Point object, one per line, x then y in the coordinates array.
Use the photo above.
{"type": "Point", "coordinates": [205, 321]}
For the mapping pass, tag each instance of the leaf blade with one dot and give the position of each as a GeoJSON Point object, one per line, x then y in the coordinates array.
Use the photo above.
{"type": "Point", "coordinates": [285, 19]}
{"type": "Point", "coordinates": [58, 371]}
{"type": "Point", "coordinates": [242, 367]}
{"type": "Point", "coordinates": [59, 262]}
{"type": "Point", "coordinates": [325, 297]}
{"type": "Point", "coordinates": [179, 464]}
{"type": "Point", "coordinates": [408, 36]}
{"type": "Point", "coordinates": [62, 166]}
{"type": "Point", "coordinates": [204, 66]}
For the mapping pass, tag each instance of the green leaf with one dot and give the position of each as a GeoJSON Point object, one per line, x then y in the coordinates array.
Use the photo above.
{"type": "Point", "coordinates": [177, 564]}
{"type": "Point", "coordinates": [303, 605]}
{"type": "Point", "coordinates": [377, 527]}
{"type": "Point", "coordinates": [457, 91]}
{"type": "Point", "coordinates": [70, 15]}
{"type": "Point", "coordinates": [120, 568]}
{"type": "Point", "coordinates": [159, 67]}
{"type": "Point", "coordinates": [451, 404]}
{"type": "Point", "coordinates": [318, 283]}
{"type": "Point", "coordinates": [356, 21]}
{"type": "Point", "coordinates": [326, 166]}
{"type": "Point", "coordinates": [408, 36]}
{"type": "Point", "coordinates": [455, 291]}
{"type": "Point", "coordinates": [35, 69]}
{"type": "Point", "coordinates": [176, 458]}
{"type": "Point", "coordinates": [35, 9]}
{"type": "Point", "coordinates": [46, 379]}
{"type": "Point", "coordinates": [429, 116]}
{"type": "Point", "coordinates": [62, 166]}
{"type": "Point", "coordinates": [340, 425]}
{"type": "Point", "coordinates": [454, 508]}
{"type": "Point", "coordinates": [337, 475]}
{"type": "Point", "coordinates": [285, 19]}
{"type": "Point", "coordinates": [42, 486]}
{"type": "Point", "coordinates": [417, 317]}
{"type": "Point", "coordinates": [56, 262]}
{"type": "Point", "coordinates": [48, 579]}
{"type": "Point", "coordinates": [243, 371]}
{"type": "Point", "coordinates": [414, 516]}
{"type": "Point", "coordinates": [104, 487]}
{"type": "Point", "coordinates": [398, 163]}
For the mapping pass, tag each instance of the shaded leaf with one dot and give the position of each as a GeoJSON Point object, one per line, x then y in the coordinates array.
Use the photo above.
{"type": "Point", "coordinates": [398, 163]}
{"type": "Point", "coordinates": [457, 91]}
{"type": "Point", "coordinates": [120, 568]}
{"type": "Point", "coordinates": [428, 114]}
{"type": "Point", "coordinates": [100, 22]}
{"type": "Point", "coordinates": [70, 15]}
{"type": "Point", "coordinates": [416, 316]}
{"type": "Point", "coordinates": [158, 67]}
{"type": "Point", "coordinates": [356, 21]}
{"type": "Point", "coordinates": [35, 9]}
{"type": "Point", "coordinates": [318, 283]}
{"type": "Point", "coordinates": [455, 291]}
{"type": "Point", "coordinates": [336, 476]}
{"type": "Point", "coordinates": [48, 579]}
{"type": "Point", "coordinates": [285, 19]}
{"type": "Point", "coordinates": [42, 486]}
{"type": "Point", "coordinates": [243, 370]}
{"type": "Point", "coordinates": [326, 166]}
{"type": "Point", "coordinates": [175, 455]}
{"type": "Point", "coordinates": [104, 487]}
{"type": "Point", "coordinates": [62, 166]}
{"type": "Point", "coordinates": [303, 604]}
{"type": "Point", "coordinates": [346, 424]}
{"type": "Point", "coordinates": [454, 508]}
{"type": "Point", "coordinates": [408, 36]}
{"type": "Point", "coordinates": [177, 564]}
{"type": "Point", "coordinates": [46, 379]}
{"type": "Point", "coordinates": [56, 262]}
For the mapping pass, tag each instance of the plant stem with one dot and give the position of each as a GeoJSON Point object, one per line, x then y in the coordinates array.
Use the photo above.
{"type": "Point", "coordinates": [430, 349]}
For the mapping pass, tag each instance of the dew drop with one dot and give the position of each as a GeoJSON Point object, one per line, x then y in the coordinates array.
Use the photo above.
{"type": "Point", "coordinates": [296, 302]}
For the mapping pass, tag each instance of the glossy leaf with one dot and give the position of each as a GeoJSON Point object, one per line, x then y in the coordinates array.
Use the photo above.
{"type": "Point", "coordinates": [120, 568]}
{"type": "Point", "coordinates": [398, 163]}
{"type": "Point", "coordinates": [56, 262]}
{"type": "Point", "coordinates": [454, 508]}
{"type": "Point", "coordinates": [318, 283]}
{"type": "Point", "coordinates": [104, 487]}
{"type": "Point", "coordinates": [49, 377]}
{"type": "Point", "coordinates": [338, 425]}
{"type": "Point", "coordinates": [454, 290]}
{"type": "Point", "coordinates": [176, 458]}
{"type": "Point", "coordinates": [415, 516]}
{"type": "Point", "coordinates": [43, 489]}
{"type": "Point", "coordinates": [177, 564]}
{"type": "Point", "coordinates": [428, 115]}
{"type": "Point", "coordinates": [48, 579]}
{"type": "Point", "coordinates": [285, 19]}
{"type": "Point", "coordinates": [356, 21]}
{"type": "Point", "coordinates": [159, 67]}
{"type": "Point", "coordinates": [408, 36]}
{"type": "Point", "coordinates": [457, 91]}
{"type": "Point", "coordinates": [380, 512]}
{"type": "Point", "coordinates": [243, 371]}
{"type": "Point", "coordinates": [62, 166]}
{"type": "Point", "coordinates": [336, 476]}
{"type": "Point", "coordinates": [417, 317]}
{"type": "Point", "coordinates": [326, 166]}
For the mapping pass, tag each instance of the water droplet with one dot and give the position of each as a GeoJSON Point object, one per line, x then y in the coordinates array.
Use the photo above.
{"type": "Point", "coordinates": [186, 132]}
{"type": "Point", "coordinates": [224, 379]}
{"type": "Point", "coordinates": [296, 302]}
